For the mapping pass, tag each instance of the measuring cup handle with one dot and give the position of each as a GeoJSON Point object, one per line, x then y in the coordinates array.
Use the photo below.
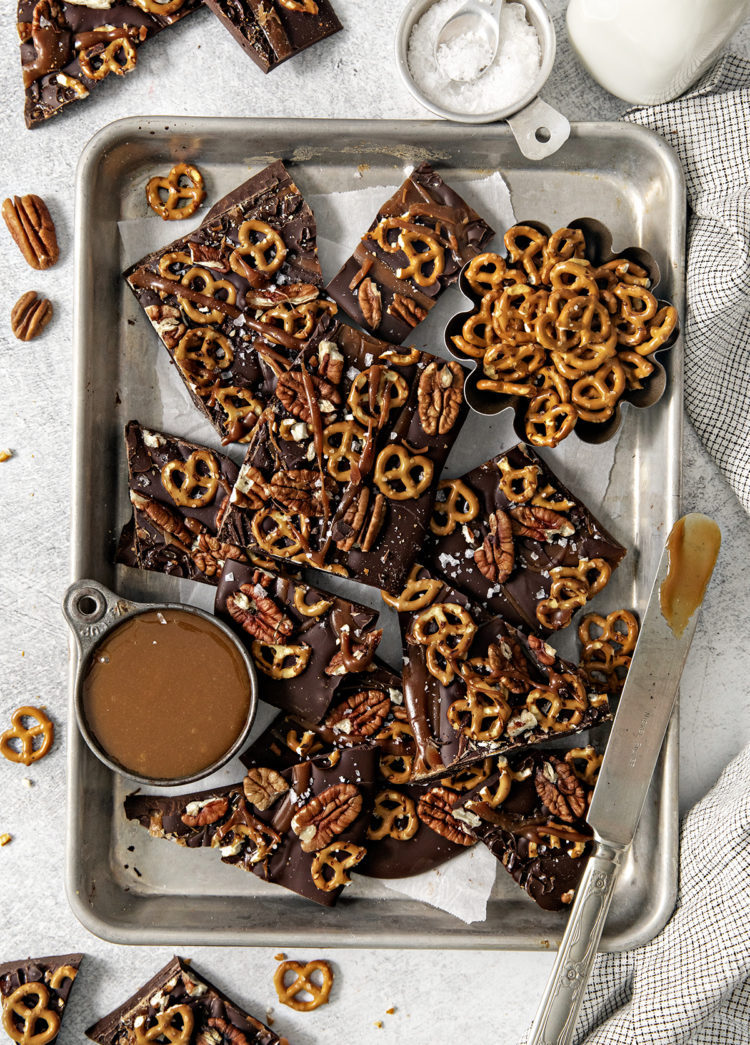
{"type": "Point", "coordinates": [91, 609]}
{"type": "Point", "coordinates": [539, 129]}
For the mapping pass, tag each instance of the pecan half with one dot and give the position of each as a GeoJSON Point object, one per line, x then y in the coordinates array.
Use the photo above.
{"type": "Point", "coordinates": [208, 257]}
{"type": "Point", "coordinates": [167, 322]}
{"type": "Point", "coordinates": [300, 490]}
{"type": "Point", "coordinates": [361, 714]}
{"type": "Point", "coordinates": [358, 655]}
{"type": "Point", "coordinates": [435, 809]}
{"type": "Point", "coordinates": [30, 315]}
{"type": "Point", "coordinates": [289, 293]}
{"type": "Point", "coordinates": [560, 790]}
{"type": "Point", "coordinates": [496, 557]}
{"type": "Point", "coordinates": [207, 814]}
{"type": "Point", "coordinates": [209, 554]}
{"type": "Point", "coordinates": [541, 524]}
{"type": "Point", "coordinates": [545, 654]}
{"type": "Point", "coordinates": [439, 397]}
{"type": "Point", "coordinates": [370, 302]}
{"type": "Point", "coordinates": [31, 226]}
{"type": "Point", "coordinates": [224, 1031]}
{"type": "Point", "coordinates": [262, 786]}
{"type": "Point", "coordinates": [360, 524]}
{"type": "Point", "coordinates": [406, 309]}
{"type": "Point", "coordinates": [291, 392]}
{"type": "Point", "coordinates": [258, 614]}
{"type": "Point", "coordinates": [328, 814]}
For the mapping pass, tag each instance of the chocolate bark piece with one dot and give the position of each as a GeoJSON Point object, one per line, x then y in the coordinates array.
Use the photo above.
{"type": "Point", "coordinates": [67, 49]}
{"type": "Point", "coordinates": [273, 31]}
{"type": "Point", "coordinates": [283, 828]}
{"type": "Point", "coordinates": [233, 301]}
{"type": "Point", "coordinates": [475, 686]}
{"type": "Point", "coordinates": [342, 468]}
{"type": "Point", "coordinates": [188, 1006]}
{"type": "Point", "coordinates": [557, 554]}
{"type": "Point", "coordinates": [416, 247]}
{"type": "Point", "coordinates": [39, 984]}
{"type": "Point", "coordinates": [531, 813]}
{"type": "Point", "coordinates": [179, 492]}
{"type": "Point", "coordinates": [304, 641]}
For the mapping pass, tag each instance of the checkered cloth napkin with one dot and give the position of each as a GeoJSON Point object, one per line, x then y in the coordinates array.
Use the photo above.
{"type": "Point", "coordinates": [709, 128]}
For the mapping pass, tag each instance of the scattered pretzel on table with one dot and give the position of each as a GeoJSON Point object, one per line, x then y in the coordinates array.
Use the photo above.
{"type": "Point", "coordinates": [25, 737]}
{"type": "Point", "coordinates": [184, 192]}
{"type": "Point", "coordinates": [292, 994]}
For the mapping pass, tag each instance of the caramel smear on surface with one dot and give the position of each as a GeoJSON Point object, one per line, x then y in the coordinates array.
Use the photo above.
{"type": "Point", "coordinates": [693, 548]}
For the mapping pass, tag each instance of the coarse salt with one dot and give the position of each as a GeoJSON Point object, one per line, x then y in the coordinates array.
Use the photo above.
{"type": "Point", "coordinates": [507, 79]}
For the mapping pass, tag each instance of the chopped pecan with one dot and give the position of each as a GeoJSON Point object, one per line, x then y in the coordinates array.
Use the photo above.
{"type": "Point", "coordinates": [361, 714]}
{"type": "Point", "coordinates": [355, 656]}
{"type": "Point", "coordinates": [208, 257]}
{"type": "Point", "coordinates": [541, 524]}
{"type": "Point", "coordinates": [262, 786]}
{"type": "Point", "coordinates": [250, 490]}
{"type": "Point", "coordinates": [330, 362]}
{"type": "Point", "coordinates": [545, 654]}
{"type": "Point", "coordinates": [360, 524]}
{"type": "Point", "coordinates": [300, 490]}
{"type": "Point", "coordinates": [435, 809]}
{"type": "Point", "coordinates": [167, 322]}
{"type": "Point", "coordinates": [258, 614]}
{"type": "Point", "coordinates": [328, 814]}
{"type": "Point", "coordinates": [406, 309]}
{"type": "Point", "coordinates": [496, 557]}
{"type": "Point", "coordinates": [207, 814]}
{"type": "Point", "coordinates": [30, 315]}
{"type": "Point", "coordinates": [370, 302]}
{"type": "Point", "coordinates": [291, 392]}
{"type": "Point", "coordinates": [224, 1031]}
{"type": "Point", "coordinates": [31, 226]}
{"type": "Point", "coordinates": [439, 397]}
{"type": "Point", "coordinates": [289, 293]}
{"type": "Point", "coordinates": [560, 789]}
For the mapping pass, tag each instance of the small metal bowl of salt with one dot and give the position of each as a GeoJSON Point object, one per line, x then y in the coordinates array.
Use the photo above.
{"type": "Point", "coordinates": [451, 76]}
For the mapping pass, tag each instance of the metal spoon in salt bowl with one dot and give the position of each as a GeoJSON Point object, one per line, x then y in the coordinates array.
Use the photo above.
{"type": "Point", "coordinates": [538, 129]}
{"type": "Point", "coordinates": [479, 25]}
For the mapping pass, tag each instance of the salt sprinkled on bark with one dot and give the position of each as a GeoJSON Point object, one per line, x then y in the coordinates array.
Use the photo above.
{"type": "Point", "coordinates": [515, 66]}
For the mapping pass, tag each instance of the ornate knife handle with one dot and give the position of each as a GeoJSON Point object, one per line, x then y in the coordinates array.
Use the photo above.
{"type": "Point", "coordinates": [558, 1010]}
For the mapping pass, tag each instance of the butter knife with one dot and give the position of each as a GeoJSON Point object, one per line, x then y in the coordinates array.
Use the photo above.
{"type": "Point", "coordinates": [643, 714]}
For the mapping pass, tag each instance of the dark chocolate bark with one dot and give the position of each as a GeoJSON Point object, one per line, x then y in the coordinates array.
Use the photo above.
{"type": "Point", "coordinates": [282, 827]}
{"type": "Point", "coordinates": [304, 641]}
{"type": "Point", "coordinates": [163, 1001]}
{"type": "Point", "coordinates": [531, 814]}
{"type": "Point", "coordinates": [233, 301]}
{"type": "Point", "coordinates": [476, 686]}
{"type": "Point", "coordinates": [560, 554]}
{"type": "Point", "coordinates": [179, 492]}
{"type": "Point", "coordinates": [273, 31]}
{"type": "Point", "coordinates": [67, 49]}
{"type": "Point", "coordinates": [342, 469]}
{"type": "Point", "coordinates": [416, 247]}
{"type": "Point", "coordinates": [50, 982]}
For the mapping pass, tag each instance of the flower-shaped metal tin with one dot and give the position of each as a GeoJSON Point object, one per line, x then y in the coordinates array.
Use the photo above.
{"type": "Point", "coordinates": [599, 251]}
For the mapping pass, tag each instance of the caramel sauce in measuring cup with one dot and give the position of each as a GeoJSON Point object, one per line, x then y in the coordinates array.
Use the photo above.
{"type": "Point", "coordinates": [693, 547]}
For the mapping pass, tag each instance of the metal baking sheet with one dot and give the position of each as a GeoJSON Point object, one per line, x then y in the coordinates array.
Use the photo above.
{"type": "Point", "coordinates": [621, 174]}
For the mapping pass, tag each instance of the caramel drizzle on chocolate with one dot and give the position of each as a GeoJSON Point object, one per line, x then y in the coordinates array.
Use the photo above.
{"type": "Point", "coordinates": [146, 280]}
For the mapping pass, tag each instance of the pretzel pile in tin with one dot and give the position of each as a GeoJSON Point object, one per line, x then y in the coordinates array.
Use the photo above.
{"type": "Point", "coordinates": [552, 327]}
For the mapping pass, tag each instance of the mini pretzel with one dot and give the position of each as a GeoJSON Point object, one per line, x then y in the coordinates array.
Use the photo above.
{"type": "Point", "coordinates": [310, 609]}
{"type": "Point", "coordinates": [372, 405]}
{"type": "Point", "coordinates": [469, 778]}
{"type": "Point", "coordinates": [62, 972]}
{"type": "Point", "coordinates": [393, 357]}
{"type": "Point", "coordinates": [595, 396]}
{"type": "Point", "coordinates": [488, 714]}
{"type": "Point", "coordinates": [525, 245]}
{"type": "Point", "coordinates": [567, 594]}
{"type": "Point", "coordinates": [504, 784]}
{"type": "Point", "coordinates": [118, 57]}
{"type": "Point", "coordinates": [394, 473]}
{"type": "Point", "coordinates": [20, 1019]}
{"type": "Point", "coordinates": [426, 265]}
{"type": "Point", "coordinates": [209, 287]}
{"type": "Point", "coordinates": [200, 353]}
{"type": "Point", "coordinates": [342, 448]}
{"type": "Point", "coordinates": [283, 539]}
{"type": "Point", "coordinates": [306, 7]}
{"type": "Point", "coordinates": [477, 332]}
{"type": "Point", "coordinates": [625, 636]}
{"type": "Point", "coordinates": [489, 272]}
{"type": "Point", "coordinates": [396, 815]}
{"type": "Point", "coordinates": [298, 320]}
{"type": "Point", "coordinates": [591, 763]}
{"type": "Point", "coordinates": [159, 7]}
{"type": "Point", "coordinates": [418, 592]}
{"type": "Point", "coordinates": [241, 410]}
{"type": "Point", "coordinates": [460, 506]}
{"type": "Point", "coordinates": [396, 769]}
{"type": "Point", "coordinates": [551, 720]}
{"type": "Point", "coordinates": [548, 420]}
{"type": "Point", "coordinates": [636, 367]}
{"type": "Point", "coordinates": [272, 659]}
{"type": "Point", "coordinates": [659, 330]}
{"type": "Point", "coordinates": [183, 183]}
{"type": "Point", "coordinates": [303, 983]}
{"type": "Point", "coordinates": [338, 857]}
{"type": "Point", "coordinates": [268, 252]}
{"type": "Point", "coordinates": [452, 637]}
{"type": "Point", "coordinates": [26, 736]}
{"type": "Point", "coordinates": [305, 746]}
{"type": "Point", "coordinates": [562, 245]}
{"type": "Point", "coordinates": [518, 484]}
{"type": "Point", "coordinates": [165, 1027]}
{"type": "Point", "coordinates": [186, 485]}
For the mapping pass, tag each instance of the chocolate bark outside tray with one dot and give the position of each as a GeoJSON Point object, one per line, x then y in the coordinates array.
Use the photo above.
{"type": "Point", "coordinates": [537, 498]}
{"type": "Point", "coordinates": [350, 413]}
{"type": "Point", "coordinates": [166, 535]}
{"type": "Point", "coordinates": [287, 864]}
{"type": "Point", "coordinates": [53, 972]}
{"type": "Point", "coordinates": [526, 673]}
{"type": "Point", "coordinates": [50, 52]}
{"type": "Point", "coordinates": [267, 612]}
{"type": "Point", "coordinates": [454, 233]}
{"type": "Point", "coordinates": [273, 31]}
{"type": "Point", "coordinates": [220, 304]}
{"type": "Point", "coordinates": [178, 983]}
{"type": "Point", "coordinates": [544, 851]}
